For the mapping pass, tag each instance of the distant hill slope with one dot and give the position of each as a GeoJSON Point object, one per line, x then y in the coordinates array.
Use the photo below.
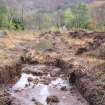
{"type": "Point", "coordinates": [47, 5]}
{"type": "Point", "coordinates": [97, 3]}
{"type": "Point", "coordinates": [98, 11]}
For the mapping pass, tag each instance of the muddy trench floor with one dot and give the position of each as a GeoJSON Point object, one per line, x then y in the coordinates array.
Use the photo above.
{"type": "Point", "coordinates": [40, 84]}
{"type": "Point", "coordinates": [44, 85]}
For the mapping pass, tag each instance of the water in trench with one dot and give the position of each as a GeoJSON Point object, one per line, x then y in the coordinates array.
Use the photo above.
{"type": "Point", "coordinates": [39, 82]}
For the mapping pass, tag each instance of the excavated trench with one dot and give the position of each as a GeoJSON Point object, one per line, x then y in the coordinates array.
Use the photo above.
{"type": "Point", "coordinates": [40, 82]}
{"type": "Point", "coordinates": [43, 84]}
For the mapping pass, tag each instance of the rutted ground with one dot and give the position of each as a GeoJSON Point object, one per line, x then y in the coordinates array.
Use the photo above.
{"type": "Point", "coordinates": [44, 85]}
{"type": "Point", "coordinates": [75, 53]}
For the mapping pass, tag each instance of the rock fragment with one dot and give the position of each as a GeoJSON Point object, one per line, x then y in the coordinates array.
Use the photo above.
{"type": "Point", "coordinates": [52, 99]}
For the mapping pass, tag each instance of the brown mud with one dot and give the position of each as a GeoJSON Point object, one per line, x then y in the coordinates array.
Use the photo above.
{"type": "Point", "coordinates": [57, 57]}
{"type": "Point", "coordinates": [45, 89]}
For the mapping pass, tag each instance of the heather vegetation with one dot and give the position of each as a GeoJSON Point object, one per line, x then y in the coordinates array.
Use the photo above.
{"type": "Point", "coordinates": [52, 52]}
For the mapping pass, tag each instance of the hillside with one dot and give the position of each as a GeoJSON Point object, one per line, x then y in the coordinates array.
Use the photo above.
{"type": "Point", "coordinates": [31, 10]}
{"type": "Point", "coordinates": [46, 5]}
{"type": "Point", "coordinates": [97, 10]}
{"type": "Point", "coordinates": [35, 12]}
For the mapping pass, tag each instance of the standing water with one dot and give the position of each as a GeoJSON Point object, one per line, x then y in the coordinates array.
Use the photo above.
{"type": "Point", "coordinates": [39, 82]}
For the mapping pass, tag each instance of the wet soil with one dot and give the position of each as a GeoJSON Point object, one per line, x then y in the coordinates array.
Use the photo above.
{"type": "Point", "coordinates": [26, 92]}
{"type": "Point", "coordinates": [49, 64]}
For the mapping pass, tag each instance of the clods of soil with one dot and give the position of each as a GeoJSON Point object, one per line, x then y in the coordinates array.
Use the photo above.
{"type": "Point", "coordinates": [44, 89]}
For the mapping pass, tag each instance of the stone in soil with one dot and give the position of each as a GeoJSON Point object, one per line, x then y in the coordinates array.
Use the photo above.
{"type": "Point", "coordinates": [35, 82]}
{"type": "Point", "coordinates": [36, 102]}
{"type": "Point", "coordinates": [64, 88]}
{"type": "Point", "coordinates": [26, 85]}
{"type": "Point", "coordinates": [55, 72]}
{"type": "Point", "coordinates": [45, 80]}
{"type": "Point", "coordinates": [30, 79]}
{"type": "Point", "coordinates": [52, 99]}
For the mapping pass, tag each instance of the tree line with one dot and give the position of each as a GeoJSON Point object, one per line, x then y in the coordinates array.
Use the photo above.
{"type": "Point", "coordinates": [76, 17]}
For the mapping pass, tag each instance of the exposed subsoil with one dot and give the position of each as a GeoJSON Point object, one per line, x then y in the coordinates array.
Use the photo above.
{"type": "Point", "coordinates": [44, 85]}
{"type": "Point", "coordinates": [54, 68]}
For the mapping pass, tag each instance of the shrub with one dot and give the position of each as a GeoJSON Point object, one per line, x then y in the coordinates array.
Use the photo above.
{"type": "Point", "coordinates": [16, 24]}
{"type": "Point", "coordinates": [3, 13]}
{"type": "Point", "coordinates": [77, 17]}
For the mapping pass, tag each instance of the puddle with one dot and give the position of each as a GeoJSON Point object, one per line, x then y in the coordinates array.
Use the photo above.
{"type": "Point", "coordinates": [22, 81]}
{"type": "Point", "coordinates": [22, 95]}
{"type": "Point", "coordinates": [59, 82]}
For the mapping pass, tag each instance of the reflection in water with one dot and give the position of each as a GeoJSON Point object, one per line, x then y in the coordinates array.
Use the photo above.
{"type": "Point", "coordinates": [44, 93]}
{"type": "Point", "coordinates": [22, 81]}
